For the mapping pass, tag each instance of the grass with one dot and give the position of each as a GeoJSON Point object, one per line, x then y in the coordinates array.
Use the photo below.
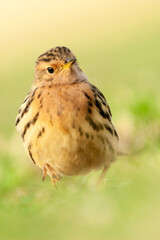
{"type": "Point", "coordinates": [125, 66]}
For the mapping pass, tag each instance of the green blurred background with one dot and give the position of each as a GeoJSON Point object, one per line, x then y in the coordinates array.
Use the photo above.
{"type": "Point", "coordinates": [117, 44]}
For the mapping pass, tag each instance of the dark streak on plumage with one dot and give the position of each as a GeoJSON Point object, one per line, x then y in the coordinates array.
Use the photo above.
{"type": "Point", "coordinates": [41, 100]}
{"type": "Point", "coordinates": [26, 98]}
{"type": "Point", "coordinates": [87, 135]}
{"type": "Point", "coordinates": [56, 49]}
{"type": "Point", "coordinates": [87, 96]}
{"type": "Point", "coordinates": [58, 113]}
{"type": "Point", "coordinates": [80, 131]}
{"type": "Point", "coordinates": [109, 110]}
{"type": "Point", "coordinates": [93, 90]}
{"type": "Point", "coordinates": [32, 122]}
{"type": "Point", "coordinates": [39, 95]}
{"type": "Point", "coordinates": [33, 93]}
{"type": "Point", "coordinates": [41, 132]}
{"type": "Point", "coordinates": [30, 153]}
{"type": "Point", "coordinates": [51, 55]}
{"type": "Point", "coordinates": [92, 123]}
{"type": "Point", "coordinates": [102, 100]}
{"type": "Point", "coordinates": [45, 59]}
{"type": "Point", "coordinates": [25, 129]}
{"type": "Point", "coordinates": [90, 104]}
{"type": "Point", "coordinates": [27, 107]}
{"type": "Point", "coordinates": [66, 50]}
{"type": "Point", "coordinates": [89, 110]}
{"type": "Point", "coordinates": [100, 126]}
{"type": "Point", "coordinates": [98, 104]}
{"type": "Point", "coordinates": [60, 50]}
{"type": "Point", "coordinates": [17, 121]}
{"type": "Point", "coordinates": [107, 127]}
{"type": "Point", "coordinates": [98, 92]}
{"type": "Point", "coordinates": [103, 114]}
{"type": "Point", "coordinates": [116, 134]}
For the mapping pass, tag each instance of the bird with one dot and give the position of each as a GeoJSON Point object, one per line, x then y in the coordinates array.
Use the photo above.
{"type": "Point", "coordinates": [65, 121]}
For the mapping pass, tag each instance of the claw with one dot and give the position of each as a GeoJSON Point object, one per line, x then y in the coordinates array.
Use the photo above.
{"type": "Point", "coordinates": [53, 175]}
{"type": "Point", "coordinates": [102, 175]}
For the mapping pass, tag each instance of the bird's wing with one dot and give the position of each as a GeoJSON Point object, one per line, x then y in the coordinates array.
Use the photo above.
{"type": "Point", "coordinates": [101, 103]}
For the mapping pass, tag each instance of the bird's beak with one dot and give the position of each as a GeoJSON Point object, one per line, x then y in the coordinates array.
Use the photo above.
{"type": "Point", "coordinates": [69, 63]}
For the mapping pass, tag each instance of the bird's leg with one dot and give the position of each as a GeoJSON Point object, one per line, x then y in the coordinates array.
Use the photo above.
{"type": "Point", "coordinates": [105, 169]}
{"type": "Point", "coordinates": [53, 175]}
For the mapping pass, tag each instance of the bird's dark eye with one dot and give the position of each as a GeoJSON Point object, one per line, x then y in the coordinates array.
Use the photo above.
{"type": "Point", "coordinates": [50, 70]}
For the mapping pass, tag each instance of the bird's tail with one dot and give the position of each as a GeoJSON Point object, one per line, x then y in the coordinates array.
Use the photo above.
{"type": "Point", "coordinates": [121, 153]}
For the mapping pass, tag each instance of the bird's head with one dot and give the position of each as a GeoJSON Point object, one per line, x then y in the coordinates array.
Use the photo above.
{"type": "Point", "coordinates": [59, 66]}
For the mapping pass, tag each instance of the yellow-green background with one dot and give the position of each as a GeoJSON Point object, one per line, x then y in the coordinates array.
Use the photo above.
{"type": "Point", "coordinates": [117, 44]}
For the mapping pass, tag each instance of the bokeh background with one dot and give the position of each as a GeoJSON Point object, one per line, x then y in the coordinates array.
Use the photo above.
{"type": "Point", "coordinates": [117, 44]}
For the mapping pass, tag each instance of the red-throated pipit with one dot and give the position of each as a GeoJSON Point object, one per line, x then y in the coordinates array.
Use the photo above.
{"type": "Point", "coordinates": [65, 121]}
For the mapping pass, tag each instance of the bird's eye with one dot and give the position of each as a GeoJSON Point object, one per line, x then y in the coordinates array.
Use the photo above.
{"type": "Point", "coordinates": [50, 70]}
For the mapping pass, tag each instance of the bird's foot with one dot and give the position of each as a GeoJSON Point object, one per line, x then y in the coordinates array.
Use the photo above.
{"type": "Point", "coordinates": [105, 169]}
{"type": "Point", "coordinates": [51, 172]}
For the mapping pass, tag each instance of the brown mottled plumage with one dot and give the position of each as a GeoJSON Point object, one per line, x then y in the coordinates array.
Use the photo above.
{"type": "Point", "coordinates": [65, 121]}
